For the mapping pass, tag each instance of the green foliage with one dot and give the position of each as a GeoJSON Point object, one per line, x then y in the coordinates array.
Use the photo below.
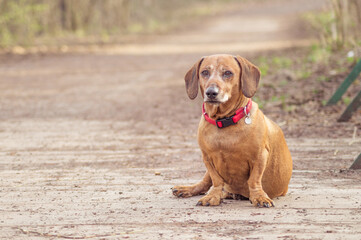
{"type": "Point", "coordinates": [260, 102]}
{"type": "Point", "coordinates": [283, 83]}
{"type": "Point", "coordinates": [319, 54]}
{"type": "Point", "coordinates": [352, 59]}
{"type": "Point", "coordinates": [289, 108]}
{"type": "Point", "coordinates": [322, 78]}
{"type": "Point", "coordinates": [322, 22]}
{"type": "Point", "coordinates": [346, 100]}
{"type": "Point", "coordinates": [283, 101]}
{"type": "Point", "coordinates": [339, 26]}
{"type": "Point", "coordinates": [282, 62]}
{"type": "Point", "coordinates": [23, 21]}
{"type": "Point", "coordinates": [275, 99]}
{"type": "Point", "coordinates": [263, 65]}
{"type": "Point", "coordinates": [20, 21]}
{"type": "Point", "coordinates": [276, 63]}
{"type": "Point", "coordinates": [304, 73]}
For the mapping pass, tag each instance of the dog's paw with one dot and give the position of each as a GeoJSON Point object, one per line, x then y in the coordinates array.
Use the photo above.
{"type": "Point", "coordinates": [210, 200]}
{"type": "Point", "coordinates": [261, 200]}
{"type": "Point", "coordinates": [183, 191]}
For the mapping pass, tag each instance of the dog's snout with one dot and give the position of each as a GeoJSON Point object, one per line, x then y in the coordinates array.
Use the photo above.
{"type": "Point", "coordinates": [212, 92]}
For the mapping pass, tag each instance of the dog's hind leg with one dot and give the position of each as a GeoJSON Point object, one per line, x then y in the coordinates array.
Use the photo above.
{"type": "Point", "coordinates": [284, 192]}
{"type": "Point", "coordinates": [197, 189]}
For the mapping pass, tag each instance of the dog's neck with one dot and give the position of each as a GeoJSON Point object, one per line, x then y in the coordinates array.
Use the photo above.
{"type": "Point", "coordinates": [226, 109]}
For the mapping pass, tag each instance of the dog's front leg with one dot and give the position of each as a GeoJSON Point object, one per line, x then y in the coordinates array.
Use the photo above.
{"type": "Point", "coordinates": [257, 196]}
{"type": "Point", "coordinates": [214, 196]}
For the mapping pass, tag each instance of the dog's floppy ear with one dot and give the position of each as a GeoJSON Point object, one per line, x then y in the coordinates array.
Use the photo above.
{"type": "Point", "coordinates": [192, 80]}
{"type": "Point", "coordinates": [249, 76]}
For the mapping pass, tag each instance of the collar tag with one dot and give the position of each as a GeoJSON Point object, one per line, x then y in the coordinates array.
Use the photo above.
{"type": "Point", "coordinates": [247, 119]}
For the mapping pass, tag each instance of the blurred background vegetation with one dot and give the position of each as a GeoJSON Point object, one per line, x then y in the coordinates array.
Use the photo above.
{"type": "Point", "coordinates": [23, 21]}
{"type": "Point", "coordinates": [339, 25]}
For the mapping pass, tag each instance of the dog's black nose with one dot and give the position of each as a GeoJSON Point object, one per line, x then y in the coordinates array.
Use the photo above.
{"type": "Point", "coordinates": [212, 92]}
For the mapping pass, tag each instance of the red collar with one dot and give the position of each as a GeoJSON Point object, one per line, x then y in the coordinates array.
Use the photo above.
{"type": "Point", "coordinates": [228, 121]}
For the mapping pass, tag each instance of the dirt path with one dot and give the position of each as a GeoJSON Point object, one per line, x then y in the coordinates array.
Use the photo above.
{"type": "Point", "coordinates": [93, 142]}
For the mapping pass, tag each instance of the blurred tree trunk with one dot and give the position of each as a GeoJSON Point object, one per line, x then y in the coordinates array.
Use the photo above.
{"type": "Point", "coordinates": [63, 9]}
{"type": "Point", "coordinates": [355, 5]}
{"type": "Point", "coordinates": [347, 25]}
{"type": "Point", "coordinates": [338, 28]}
{"type": "Point", "coordinates": [124, 13]}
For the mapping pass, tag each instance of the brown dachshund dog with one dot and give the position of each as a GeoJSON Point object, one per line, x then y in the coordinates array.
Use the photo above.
{"type": "Point", "coordinates": [245, 153]}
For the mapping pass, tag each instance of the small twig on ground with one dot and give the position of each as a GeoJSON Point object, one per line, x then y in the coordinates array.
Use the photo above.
{"type": "Point", "coordinates": [353, 136]}
{"type": "Point", "coordinates": [335, 153]}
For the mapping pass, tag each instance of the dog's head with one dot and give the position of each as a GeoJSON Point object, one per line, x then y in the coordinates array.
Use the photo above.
{"type": "Point", "coordinates": [221, 78]}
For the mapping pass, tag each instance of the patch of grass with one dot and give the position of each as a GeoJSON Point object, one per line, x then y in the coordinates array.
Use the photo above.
{"type": "Point", "coordinates": [346, 100]}
{"type": "Point", "coordinates": [351, 59]}
{"type": "Point", "coordinates": [263, 65]}
{"type": "Point", "coordinates": [322, 79]}
{"type": "Point", "coordinates": [315, 91]}
{"type": "Point", "coordinates": [303, 74]}
{"type": "Point", "coordinates": [275, 63]}
{"type": "Point", "coordinates": [283, 102]}
{"type": "Point", "coordinates": [269, 85]}
{"type": "Point", "coordinates": [289, 108]}
{"type": "Point", "coordinates": [281, 99]}
{"type": "Point", "coordinates": [275, 99]}
{"type": "Point", "coordinates": [319, 54]}
{"type": "Point", "coordinates": [283, 83]}
{"type": "Point", "coordinates": [281, 62]}
{"type": "Point", "coordinates": [260, 102]}
{"type": "Point", "coordinates": [341, 69]}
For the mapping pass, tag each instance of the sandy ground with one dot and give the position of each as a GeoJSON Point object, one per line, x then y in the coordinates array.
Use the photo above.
{"type": "Point", "coordinates": [92, 142]}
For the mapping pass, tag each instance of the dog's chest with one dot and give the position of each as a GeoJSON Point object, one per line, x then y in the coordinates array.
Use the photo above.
{"type": "Point", "coordinates": [227, 140]}
{"type": "Point", "coordinates": [228, 151]}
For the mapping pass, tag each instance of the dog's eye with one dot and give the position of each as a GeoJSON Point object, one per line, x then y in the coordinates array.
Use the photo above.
{"type": "Point", "coordinates": [227, 74]}
{"type": "Point", "coordinates": [205, 73]}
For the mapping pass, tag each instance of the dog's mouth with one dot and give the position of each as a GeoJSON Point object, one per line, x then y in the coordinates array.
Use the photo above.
{"type": "Point", "coordinates": [212, 102]}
